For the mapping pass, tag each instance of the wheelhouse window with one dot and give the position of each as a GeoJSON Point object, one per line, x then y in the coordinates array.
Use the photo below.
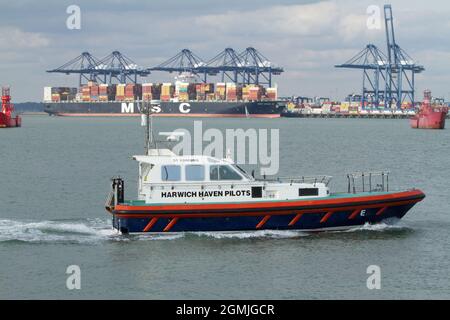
{"type": "Point", "coordinates": [171, 173]}
{"type": "Point", "coordinates": [195, 172]}
{"type": "Point", "coordinates": [223, 172]}
{"type": "Point", "coordinates": [303, 192]}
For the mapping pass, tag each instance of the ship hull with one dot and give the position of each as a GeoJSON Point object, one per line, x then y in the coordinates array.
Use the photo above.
{"type": "Point", "coordinates": [9, 122]}
{"type": "Point", "coordinates": [306, 215]}
{"type": "Point", "coordinates": [432, 120]}
{"type": "Point", "coordinates": [265, 109]}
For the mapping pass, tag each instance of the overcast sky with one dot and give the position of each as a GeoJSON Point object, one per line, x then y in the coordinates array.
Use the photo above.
{"type": "Point", "coordinates": [307, 38]}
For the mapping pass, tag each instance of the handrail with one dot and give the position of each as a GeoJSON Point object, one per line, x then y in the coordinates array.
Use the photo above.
{"type": "Point", "coordinates": [352, 180]}
{"type": "Point", "coordinates": [301, 179]}
{"type": "Point", "coordinates": [109, 203]}
{"type": "Point", "coordinates": [304, 179]}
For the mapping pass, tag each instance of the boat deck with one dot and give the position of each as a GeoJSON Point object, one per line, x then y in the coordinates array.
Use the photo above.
{"type": "Point", "coordinates": [337, 195]}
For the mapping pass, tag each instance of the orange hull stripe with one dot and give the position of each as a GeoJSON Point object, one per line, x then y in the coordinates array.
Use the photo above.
{"type": "Point", "coordinates": [295, 219]}
{"type": "Point", "coordinates": [262, 206]}
{"type": "Point", "coordinates": [326, 217]}
{"type": "Point", "coordinates": [262, 222]}
{"type": "Point", "coordinates": [170, 224]}
{"type": "Point", "coordinates": [379, 212]}
{"type": "Point", "coordinates": [354, 214]}
{"type": "Point", "coordinates": [150, 224]}
{"type": "Point", "coordinates": [203, 215]}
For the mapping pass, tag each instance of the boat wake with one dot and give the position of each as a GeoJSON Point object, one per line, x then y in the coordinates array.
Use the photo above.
{"type": "Point", "coordinates": [387, 225]}
{"type": "Point", "coordinates": [59, 231]}
{"type": "Point", "coordinates": [273, 234]}
{"type": "Point", "coordinates": [98, 230]}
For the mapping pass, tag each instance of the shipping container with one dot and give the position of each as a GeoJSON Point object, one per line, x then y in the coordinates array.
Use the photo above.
{"type": "Point", "coordinates": [120, 92]}
{"type": "Point", "coordinates": [147, 91]}
{"type": "Point", "coordinates": [56, 97]}
{"type": "Point", "coordinates": [272, 93]}
{"type": "Point", "coordinates": [220, 91]}
{"type": "Point", "coordinates": [255, 93]}
{"type": "Point", "coordinates": [167, 91]}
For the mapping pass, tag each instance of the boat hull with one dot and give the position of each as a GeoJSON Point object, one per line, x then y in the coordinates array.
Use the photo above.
{"type": "Point", "coordinates": [431, 120]}
{"type": "Point", "coordinates": [307, 215]}
{"type": "Point", "coordinates": [9, 122]}
{"type": "Point", "coordinates": [256, 109]}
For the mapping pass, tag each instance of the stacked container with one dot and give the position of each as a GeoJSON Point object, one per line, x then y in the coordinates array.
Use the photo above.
{"type": "Point", "coordinates": [271, 94]}
{"type": "Point", "coordinates": [220, 91]}
{"type": "Point", "coordinates": [231, 91]}
{"type": "Point", "coordinates": [234, 92]}
{"type": "Point", "coordinates": [199, 89]}
{"type": "Point", "coordinates": [192, 93]}
{"type": "Point", "coordinates": [202, 91]}
{"type": "Point", "coordinates": [255, 93]}
{"type": "Point", "coordinates": [167, 91]}
{"type": "Point", "coordinates": [181, 91]}
{"type": "Point", "coordinates": [245, 93]}
{"type": "Point", "coordinates": [120, 92]}
{"type": "Point", "coordinates": [57, 94]}
{"type": "Point", "coordinates": [86, 93]}
{"type": "Point", "coordinates": [103, 92]}
{"type": "Point", "coordinates": [344, 107]}
{"type": "Point", "coordinates": [67, 94]}
{"type": "Point", "coordinates": [406, 105]}
{"type": "Point", "coordinates": [336, 108]}
{"type": "Point", "coordinates": [132, 92]}
{"type": "Point", "coordinates": [94, 92]}
{"type": "Point", "coordinates": [156, 91]}
{"type": "Point", "coordinates": [56, 97]}
{"type": "Point", "coordinates": [147, 91]}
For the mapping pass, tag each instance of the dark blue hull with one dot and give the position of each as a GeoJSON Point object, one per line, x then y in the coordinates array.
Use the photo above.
{"type": "Point", "coordinates": [307, 221]}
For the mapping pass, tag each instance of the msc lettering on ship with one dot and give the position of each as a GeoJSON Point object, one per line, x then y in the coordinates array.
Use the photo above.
{"type": "Point", "coordinates": [129, 108]}
{"type": "Point", "coordinates": [185, 107]}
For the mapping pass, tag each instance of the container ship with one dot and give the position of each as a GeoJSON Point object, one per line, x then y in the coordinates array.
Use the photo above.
{"type": "Point", "coordinates": [174, 99]}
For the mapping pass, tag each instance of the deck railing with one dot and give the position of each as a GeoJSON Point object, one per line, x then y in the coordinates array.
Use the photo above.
{"type": "Point", "coordinates": [370, 181]}
{"type": "Point", "coordinates": [301, 179]}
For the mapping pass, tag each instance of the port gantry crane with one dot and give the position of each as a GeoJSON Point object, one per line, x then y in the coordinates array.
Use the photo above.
{"type": "Point", "coordinates": [84, 65]}
{"type": "Point", "coordinates": [256, 66]}
{"type": "Point", "coordinates": [117, 65]}
{"type": "Point", "coordinates": [248, 67]}
{"type": "Point", "coordinates": [184, 61]}
{"type": "Point", "coordinates": [227, 63]}
{"type": "Point", "coordinates": [113, 66]}
{"type": "Point", "coordinates": [388, 78]}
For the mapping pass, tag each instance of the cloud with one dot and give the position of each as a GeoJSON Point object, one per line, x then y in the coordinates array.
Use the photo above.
{"type": "Point", "coordinates": [316, 22]}
{"type": "Point", "coordinates": [13, 37]}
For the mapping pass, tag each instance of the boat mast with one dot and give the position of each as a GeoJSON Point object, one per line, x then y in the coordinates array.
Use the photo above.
{"type": "Point", "coordinates": [147, 112]}
{"type": "Point", "coordinates": [148, 127]}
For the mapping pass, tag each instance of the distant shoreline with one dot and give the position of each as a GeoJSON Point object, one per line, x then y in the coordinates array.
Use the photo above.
{"type": "Point", "coordinates": [28, 107]}
{"type": "Point", "coordinates": [33, 113]}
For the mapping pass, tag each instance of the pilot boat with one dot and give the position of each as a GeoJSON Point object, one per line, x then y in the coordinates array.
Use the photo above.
{"type": "Point", "coordinates": [197, 193]}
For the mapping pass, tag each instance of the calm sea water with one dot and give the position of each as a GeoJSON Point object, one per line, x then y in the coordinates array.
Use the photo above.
{"type": "Point", "coordinates": [55, 177]}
